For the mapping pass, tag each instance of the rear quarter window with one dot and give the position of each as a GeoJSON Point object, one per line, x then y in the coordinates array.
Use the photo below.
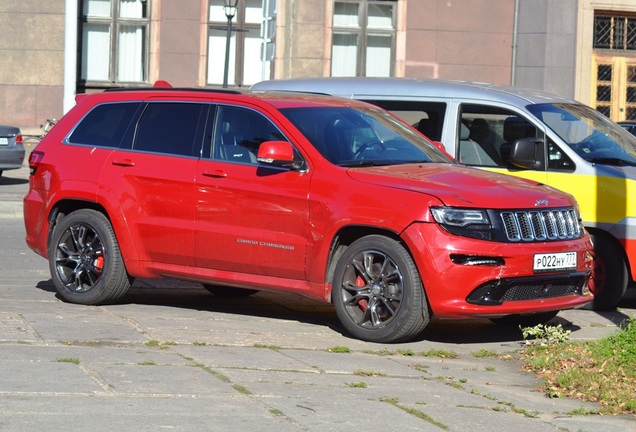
{"type": "Point", "coordinates": [105, 125]}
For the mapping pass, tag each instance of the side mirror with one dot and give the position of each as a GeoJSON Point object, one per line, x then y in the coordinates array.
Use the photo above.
{"type": "Point", "coordinates": [276, 153]}
{"type": "Point", "coordinates": [528, 153]}
{"type": "Point", "coordinates": [441, 147]}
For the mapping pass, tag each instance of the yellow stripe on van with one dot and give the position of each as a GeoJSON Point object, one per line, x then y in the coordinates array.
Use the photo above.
{"type": "Point", "coordinates": [602, 200]}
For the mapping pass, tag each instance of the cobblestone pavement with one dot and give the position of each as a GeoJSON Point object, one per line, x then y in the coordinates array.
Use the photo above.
{"type": "Point", "coordinates": [173, 357]}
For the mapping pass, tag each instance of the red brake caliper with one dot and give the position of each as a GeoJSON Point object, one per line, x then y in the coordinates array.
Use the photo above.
{"type": "Point", "coordinates": [363, 302]}
{"type": "Point", "coordinates": [99, 263]}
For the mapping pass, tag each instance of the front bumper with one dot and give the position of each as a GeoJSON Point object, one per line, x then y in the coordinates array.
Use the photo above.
{"type": "Point", "coordinates": [493, 279]}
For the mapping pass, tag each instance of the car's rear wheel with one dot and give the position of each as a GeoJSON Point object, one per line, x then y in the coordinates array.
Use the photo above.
{"type": "Point", "coordinates": [225, 291]}
{"type": "Point", "coordinates": [529, 320]}
{"type": "Point", "coordinates": [85, 261]}
{"type": "Point", "coordinates": [609, 276]}
{"type": "Point", "coordinates": [378, 292]}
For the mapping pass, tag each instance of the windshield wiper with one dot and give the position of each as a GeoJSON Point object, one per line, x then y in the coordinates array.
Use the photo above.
{"type": "Point", "coordinates": [612, 161]}
{"type": "Point", "coordinates": [363, 163]}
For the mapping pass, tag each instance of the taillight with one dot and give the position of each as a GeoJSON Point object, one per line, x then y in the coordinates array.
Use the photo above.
{"type": "Point", "coordinates": [19, 140]}
{"type": "Point", "coordinates": [34, 160]}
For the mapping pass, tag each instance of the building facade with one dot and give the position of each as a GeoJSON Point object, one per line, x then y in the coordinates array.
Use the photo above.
{"type": "Point", "coordinates": [582, 49]}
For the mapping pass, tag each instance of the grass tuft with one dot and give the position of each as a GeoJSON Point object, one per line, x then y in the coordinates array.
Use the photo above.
{"type": "Point", "coordinates": [600, 371]}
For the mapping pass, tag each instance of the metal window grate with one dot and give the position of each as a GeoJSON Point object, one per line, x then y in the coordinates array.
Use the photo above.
{"type": "Point", "coordinates": [604, 74]}
{"type": "Point", "coordinates": [541, 225]}
{"type": "Point", "coordinates": [614, 32]}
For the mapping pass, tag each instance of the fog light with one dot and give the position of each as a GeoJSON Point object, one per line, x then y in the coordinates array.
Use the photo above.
{"type": "Point", "coordinates": [477, 260]}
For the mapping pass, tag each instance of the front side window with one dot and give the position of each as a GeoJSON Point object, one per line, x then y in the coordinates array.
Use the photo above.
{"type": "Point", "coordinates": [114, 41]}
{"type": "Point", "coordinates": [486, 134]}
{"type": "Point", "coordinates": [239, 133]}
{"type": "Point", "coordinates": [363, 38]}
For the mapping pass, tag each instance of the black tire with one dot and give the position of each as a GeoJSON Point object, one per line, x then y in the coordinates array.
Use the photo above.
{"type": "Point", "coordinates": [529, 320]}
{"type": "Point", "coordinates": [225, 291]}
{"type": "Point", "coordinates": [610, 279]}
{"type": "Point", "coordinates": [85, 261]}
{"type": "Point", "coordinates": [378, 292]}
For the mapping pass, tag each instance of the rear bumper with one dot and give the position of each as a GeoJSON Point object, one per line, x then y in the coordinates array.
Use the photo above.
{"type": "Point", "coordinates": [11, 158]}
{"type": "Point", "coordinates": [36, 222]}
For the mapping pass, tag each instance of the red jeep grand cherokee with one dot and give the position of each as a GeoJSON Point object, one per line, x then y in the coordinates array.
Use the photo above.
{"type": "Point", "coordinates": [330, 198]}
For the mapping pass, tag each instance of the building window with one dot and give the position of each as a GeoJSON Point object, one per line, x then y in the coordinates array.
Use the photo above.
{"type": "Point", "coordinates": [245, 64]}
{"type": "Point", "coordinates": [615, 32]}
{"type": "Point", "coordinates": [114, 41]}
{"type": "Point", "coordinates": [363, 38]}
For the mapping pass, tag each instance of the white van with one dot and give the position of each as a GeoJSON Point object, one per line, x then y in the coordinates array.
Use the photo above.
{"type": "Point", "coordinates": [525, 133]}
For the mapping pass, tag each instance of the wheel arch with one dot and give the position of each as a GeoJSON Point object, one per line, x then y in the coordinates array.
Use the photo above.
{"type": "Point", "coordinates": [611, 238]}
{"type": "Point", "coordinates": [67, 206]}
{"type": "Point", "coordinates": [343, 238]}
{"type": "Point", "coordinates": [610, 278]}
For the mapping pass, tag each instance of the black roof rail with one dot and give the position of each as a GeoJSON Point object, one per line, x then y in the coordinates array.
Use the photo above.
{"type": "Point", "coordinates": [168, 89]}
{"type": "Point", "coordinates": [275, 90]}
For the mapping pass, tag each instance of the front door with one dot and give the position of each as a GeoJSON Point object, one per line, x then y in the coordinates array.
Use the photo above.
{"type": "Point", "coordinates": [249, 218]}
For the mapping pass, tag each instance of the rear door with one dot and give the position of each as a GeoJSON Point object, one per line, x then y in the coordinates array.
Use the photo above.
{"type": "Point", "coordinates": [153, 180]}
{"type": "Point", "coordinates": [250, 218]}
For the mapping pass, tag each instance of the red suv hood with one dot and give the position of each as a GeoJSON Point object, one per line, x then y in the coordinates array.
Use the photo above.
{"type": "Point", "coordinates": [461, 186]}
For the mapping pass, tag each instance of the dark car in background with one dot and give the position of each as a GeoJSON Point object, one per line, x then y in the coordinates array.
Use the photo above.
{"type": "Point", "coordinates": [11, 148]}
{"type": "Point", "coordinates": [629, 125]}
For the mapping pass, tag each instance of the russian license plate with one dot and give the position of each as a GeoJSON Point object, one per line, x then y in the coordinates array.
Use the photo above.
{"type": "Point", "coordinates": [4, 141]}
{"type": "Point", "coordinates": [554, 261]}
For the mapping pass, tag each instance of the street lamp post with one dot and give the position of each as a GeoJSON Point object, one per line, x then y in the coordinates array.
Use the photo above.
{"type": "Point", "coordinates": [229, 7]}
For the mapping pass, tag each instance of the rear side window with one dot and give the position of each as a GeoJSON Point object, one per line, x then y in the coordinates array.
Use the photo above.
{"type": "Point", "coordinates": [171, 128]}
{"type": "Point", "coordinates": [425, 116]}
{"type": "Point", "coordinates": [105, 125]}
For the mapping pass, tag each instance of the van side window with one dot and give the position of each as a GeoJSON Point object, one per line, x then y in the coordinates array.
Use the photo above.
{"type": "Point", "coordinates": [239, 132]}
{"type": "Point", "coordinates": [105, 125]}
{"type": "Point", "coordinates": [487, 133]}
{"type": "Point", "coordinates": [171, 128]}
{"type": "Point", "coordinates": [426, 117]}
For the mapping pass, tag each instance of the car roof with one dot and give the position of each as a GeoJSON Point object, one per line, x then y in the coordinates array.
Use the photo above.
{"type": "Point", "coordinates": [412, 89]}
{"type": "Point", "coordinates": [277, 99]}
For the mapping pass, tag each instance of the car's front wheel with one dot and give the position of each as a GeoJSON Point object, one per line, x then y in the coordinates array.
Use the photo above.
{"type": "Point", "coordinates": [378, 292]}
{"type": "Point", "coordinates": [85, 261]}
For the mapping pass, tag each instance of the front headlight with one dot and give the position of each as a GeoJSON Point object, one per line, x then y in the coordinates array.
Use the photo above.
{"type": "Point", "coordinates": [473, 223]}
{"type": "Point", "coordinates": [458, 217]}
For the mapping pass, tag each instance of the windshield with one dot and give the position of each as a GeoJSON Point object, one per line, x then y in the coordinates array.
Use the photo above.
{"type": "Point", "coordinates": [362, 136]}
{"type": "Point", "coordinates": [589, 133]}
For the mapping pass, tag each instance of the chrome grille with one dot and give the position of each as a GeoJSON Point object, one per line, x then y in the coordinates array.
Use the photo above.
{"type": "Point", "coordinates": [541, 225]}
